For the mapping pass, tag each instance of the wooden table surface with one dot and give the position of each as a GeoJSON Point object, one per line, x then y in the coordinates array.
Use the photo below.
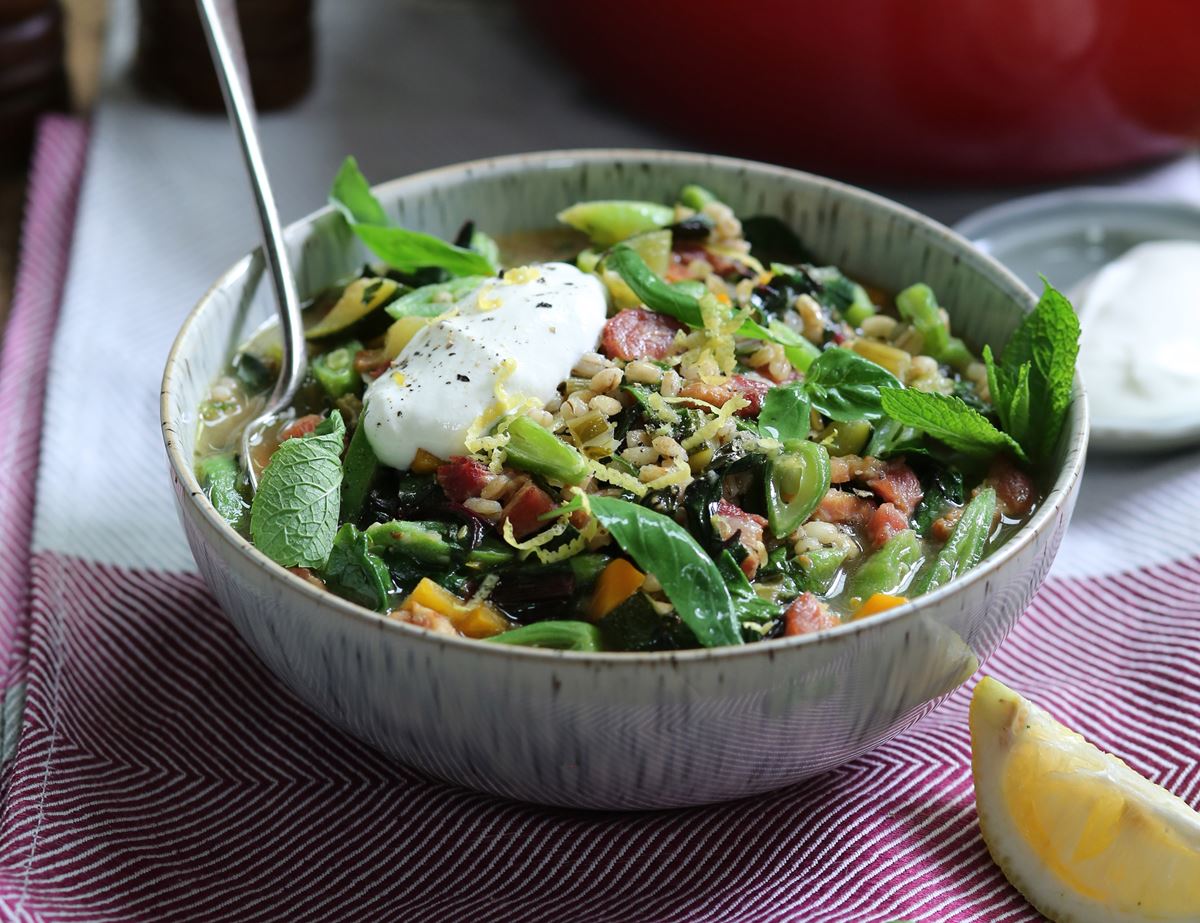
{"type": "Point", "coordinates": [85, 42]}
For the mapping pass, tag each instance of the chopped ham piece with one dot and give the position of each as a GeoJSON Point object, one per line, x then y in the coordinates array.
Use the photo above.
{"type": "Point", "coordinates": [885, 522]}
{"type": "Point", "coordinates": [1015, 494]}
{"type": "Point", "coordinates": [728, 518]}
{"type": "Point", "coordinates": [637, 333]}
{"type": "Point", "coordinates": [524, 508]}
{"type": "Point", "coordinates": [898, 484]}
{"type": "Point", "coordinates": [462, 478]}
{"type": "Point", "coordinates": [807, 614]}
{"type": "Point", "coordinates": [843, 508]}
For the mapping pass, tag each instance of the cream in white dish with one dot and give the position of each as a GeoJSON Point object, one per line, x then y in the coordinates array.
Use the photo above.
{"type": "Point", "coordinates": [524, 331]}
{"type": "Point", "coordinates": [1140, 348]}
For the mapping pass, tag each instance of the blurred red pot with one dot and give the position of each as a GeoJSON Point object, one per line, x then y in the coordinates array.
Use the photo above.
{"type": "Point", "coordinates": [947, 90]}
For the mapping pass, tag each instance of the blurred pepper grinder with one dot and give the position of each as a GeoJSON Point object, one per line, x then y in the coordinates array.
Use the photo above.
{"type": "Point", "coordinates": [32, 77]}
{"type": "Point", "coordinates": [172, 58]}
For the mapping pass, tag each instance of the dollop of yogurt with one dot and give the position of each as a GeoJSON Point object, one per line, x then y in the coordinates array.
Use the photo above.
{"type": "Point", "coordinates": [526, 330]}
{"type": "Point", "coordinates": [1140, 344]}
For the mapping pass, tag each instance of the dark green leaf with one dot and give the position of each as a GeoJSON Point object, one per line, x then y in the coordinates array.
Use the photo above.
{"type": "Point", "coordinates": [400, 248]}
{"type": "Point", "coordinates": [690, 579]}
{"type": "Point", "coordinates": [749, 605]}
{"type": "Point", "coordinates": [786, 412]}
{"type": "Point", "coordinates": [409, 251]}
{"type": "Point", "coordinates": [844, 386]}
{"type": "Point", "coordinates": [354, 572]}
{"type": "Point", "coordinates": [948, 419]}
{"type": "Point", "coordinates": [654, 293]}
{"type": "Point", "coordinates": [295, 513]}
{"type": "Point", "coordinates": [351, 195]}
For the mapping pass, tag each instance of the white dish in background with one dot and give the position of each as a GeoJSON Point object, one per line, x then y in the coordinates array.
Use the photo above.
{"type": "Point", "coordinates": [1069, 236]}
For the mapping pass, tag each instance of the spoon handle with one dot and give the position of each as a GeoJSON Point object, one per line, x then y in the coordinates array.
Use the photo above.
{"type": "Point", "coordinates": [225, 43]}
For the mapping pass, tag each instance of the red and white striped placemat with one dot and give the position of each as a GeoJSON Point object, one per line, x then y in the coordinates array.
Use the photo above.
{"type": "Point", "coordinates": [161, 774]}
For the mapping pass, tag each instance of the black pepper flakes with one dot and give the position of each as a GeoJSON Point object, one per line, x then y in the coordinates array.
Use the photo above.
{"type": "Point", "coordinates": [462, 377]}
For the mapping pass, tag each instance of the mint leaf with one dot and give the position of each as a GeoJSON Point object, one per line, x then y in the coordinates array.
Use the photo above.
{"type": "Point", "coordinates": [354, 572]}
{"type": "Point", "coordinates": [351, 195]}
{"type": "Point", "coordinates": [399, 247]}
{"type": "Point", "coordinates": [1055, 349]}
{"type": "Point", "coordinates": [1031, 384]}
{"type": "Point", "coordinates": [948, 419]}
{"type": "Point", "coordinates": [294, 514]}
{"type": "Point", "coordinates": [844, 386]}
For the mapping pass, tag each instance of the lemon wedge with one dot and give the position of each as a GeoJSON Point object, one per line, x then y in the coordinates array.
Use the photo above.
{"type": "Point", "coordinates": [1084, 837]}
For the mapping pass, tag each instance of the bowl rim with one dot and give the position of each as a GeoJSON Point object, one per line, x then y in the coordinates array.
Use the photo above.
{"type": "Point", "coordinates": [969, 257]}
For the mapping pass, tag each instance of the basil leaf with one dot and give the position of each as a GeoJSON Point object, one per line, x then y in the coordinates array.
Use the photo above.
{"type": "Point", "coordinates": [294, 514]}
{"type": "Point", "coordinates": [948, 419]}
{"type": "Point", "coordinates": [844, 386]}
{"type": "Point", "coordinates": [786, 412]}
{"type": "Point", "coordinates": [426, 301]}
{"type": "Point", "coordinates": [351, 195]}
{"type": "Point", "coordinates": [354, 572]}
{"type": "Point", "coordinates": [400, 248]}
{"type": "Point", "coordinates": [409, 251]}
{"type": "Point", "coordinates": [689, 577]}
{"type": "Point", "coordinates": [749, 605]}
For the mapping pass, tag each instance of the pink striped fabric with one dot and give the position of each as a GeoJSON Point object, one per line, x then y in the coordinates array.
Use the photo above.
{"type": "Point", "coordinates": [162, 774]}
{"type": "Point", "coordinates": [45, 247]}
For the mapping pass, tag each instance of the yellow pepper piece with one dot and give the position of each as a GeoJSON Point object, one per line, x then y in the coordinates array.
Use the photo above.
{"type": "Point", "coordinates": [617, 582]}
{"type": "Point", "coordinates": [876, 603]}
{"type": "Point", "coordinates": [358, 299]}
{"type": "Point", "coordinates": [401, 332]}
{"type": "Point", "coordinates": [475, 620]}
{"type": "Point", "coordinates": [424, 462]}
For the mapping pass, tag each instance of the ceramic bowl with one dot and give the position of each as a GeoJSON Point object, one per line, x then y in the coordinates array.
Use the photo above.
{"type": "Point", "coordinates": [618, 731]}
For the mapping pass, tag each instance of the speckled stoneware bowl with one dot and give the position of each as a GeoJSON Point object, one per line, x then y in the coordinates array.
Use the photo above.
{"type": "Point", "coordinates": [619, 730]}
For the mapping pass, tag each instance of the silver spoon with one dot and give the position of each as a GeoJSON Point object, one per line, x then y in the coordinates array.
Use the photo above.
{"type": "Point", "coordinates": [229, 57]}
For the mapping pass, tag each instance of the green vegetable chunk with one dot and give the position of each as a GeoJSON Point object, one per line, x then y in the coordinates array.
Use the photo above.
{"type": "Point", "coordinates": [218, 476]}
{"type": "Point", "coordinates": [843, 385]}
{"type": "Point", "coordinates": [690, 579]}
{"type": "Point", "coordinates": [889, 569]}
{"type": "Point", "coordinates": [800, 352]}
{"type": "Point", "coordinates": [358, 469]}
{"type": "Point", "coordinates": [610, 221]}
{"type": "Point", "coordinates": [796, 481]}
{"type": "Point", "coordinates": [354, 572]}
{"type": "Point", "coordinates": [948, 419]}
{"type": "Point", "coordinates": [406, 250]}
{"type": "Point", "coordinates": [561, 636]}
{"type": "Point", "coordinates": [335, 370]}
{"type": "Point", "coordinates": [534, 448]}
{"type": "Point", "coordinates": [838, 292]}
{"type": "Point", "coordinates": [656, 294]}
{"type": "Point", "coordinates": [918, 305]}
{"type": "Point", "coordinates": [432, 300]}
{"type": "Point", "coordinates": [696, 197]}
{"type": "Point", "coordinates": [964, 549]}
{"type": "Point", "coordinates": [486, 246]}
{"type": "Point", "coordinates": [635, 625]}
{"type": "Point", "coordinates": [820, 567]}
{"type": "Point", "coordinates": [294, 515]}
{"type": "Point", "coordinates": [421, 541]}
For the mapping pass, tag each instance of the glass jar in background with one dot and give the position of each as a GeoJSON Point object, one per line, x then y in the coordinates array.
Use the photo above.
{"type": "Point", "coordinates": [173, 61]}
{"type": "Point", "coordinates": [32, 78]}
